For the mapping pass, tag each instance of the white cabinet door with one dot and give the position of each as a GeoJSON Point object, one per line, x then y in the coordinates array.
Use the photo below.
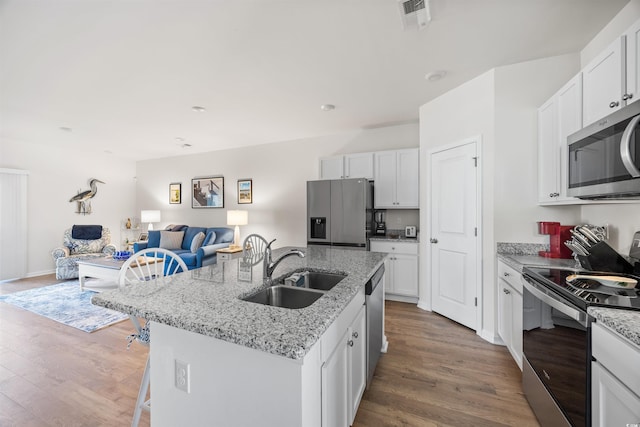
{"type": "Point", "coordinates": [385, 179]}
{"type": "Point", "coordinates": [548, 153]}
{"type": "Point", "coordinates": [633, 63]}
{"type": "Point", "coordinates": [358, 165]}
{"type": "Point", "coordinates": [505, 312]}
{"type": "Point", "coordinates": [602, 83]}
{"type": "Point", "coordinates": [335, 407]}
{"type": "Point", "coordinates": [357, 356]}
{"type": "Point", "coordinates": [332, 167]}
{"type": "Point", "coordinates": [405, 275]}
{"type": "Point", "coordinates": [510, 310]}
{"type": "Point", "coordinates": [407, 178]}
{"type": "Point", "coordinates": [557, 118]}
{"type": "Point", "coordinates": [613, 404]}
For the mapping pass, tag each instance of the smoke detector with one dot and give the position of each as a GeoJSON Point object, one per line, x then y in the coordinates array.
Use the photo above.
{"type": "Point", "coordinates": [415, 14]}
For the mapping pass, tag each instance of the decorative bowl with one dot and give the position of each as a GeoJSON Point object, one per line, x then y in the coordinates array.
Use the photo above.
{"type": "Point", "coordinates": [121, 255]}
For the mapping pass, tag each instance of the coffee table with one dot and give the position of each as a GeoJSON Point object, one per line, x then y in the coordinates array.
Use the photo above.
{"type": "Point", "coordinates": [105, 268]}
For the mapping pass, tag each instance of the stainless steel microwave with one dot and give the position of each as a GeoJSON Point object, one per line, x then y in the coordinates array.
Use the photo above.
{"type": "Point", "coordinates": [604, 157]}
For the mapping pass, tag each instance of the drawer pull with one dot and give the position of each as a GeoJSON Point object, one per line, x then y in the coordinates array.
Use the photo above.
{"type": "Point", "coordinates": [506, 291]}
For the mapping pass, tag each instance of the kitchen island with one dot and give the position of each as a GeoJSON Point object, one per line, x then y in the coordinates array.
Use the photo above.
{"type": "Point", "coordinates": [248, 363]}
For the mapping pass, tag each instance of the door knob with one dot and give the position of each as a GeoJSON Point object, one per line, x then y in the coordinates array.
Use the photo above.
{"type": "Point", "coordinates": [433, 240]}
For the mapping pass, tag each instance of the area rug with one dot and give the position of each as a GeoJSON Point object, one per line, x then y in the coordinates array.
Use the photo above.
{"type": "Point", "coordinates": [67, 304]}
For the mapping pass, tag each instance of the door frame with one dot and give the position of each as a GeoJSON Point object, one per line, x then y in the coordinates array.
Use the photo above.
{"type": "Point", "coordinates": [426, 299]}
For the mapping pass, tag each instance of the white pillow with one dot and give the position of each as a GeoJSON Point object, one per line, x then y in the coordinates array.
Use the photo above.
{"type": "Point", "coordinates": [171, 240]}
{"type": "Point", "coordinates": [197, 242]}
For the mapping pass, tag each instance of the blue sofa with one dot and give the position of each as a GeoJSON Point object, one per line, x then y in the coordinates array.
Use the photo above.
{"type": "Point", "coordinates": [215, 238]}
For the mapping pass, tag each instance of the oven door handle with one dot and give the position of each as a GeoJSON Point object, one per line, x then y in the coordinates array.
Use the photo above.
{"type": "Point", "coordinates": [577, 315]}
{"type": "Point", "coordinates": [625, 148]}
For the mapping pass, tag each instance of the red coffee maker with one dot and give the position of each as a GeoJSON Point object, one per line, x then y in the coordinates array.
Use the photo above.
{"type": "Point", "coordinates": [558, 235]}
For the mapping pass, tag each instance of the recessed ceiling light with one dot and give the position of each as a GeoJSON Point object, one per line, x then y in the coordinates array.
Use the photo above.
{"type": "Point", "coordinates": [185, 145]}
{"type": "Point", "coordinates": [327, 107]}
{"type": "Point", "coordinates": [179, 139]}
{"type": "Point", "coordinates": [434, 76]}
{"type": "Point", "coordinates": [65, 129]}
{"type": "Point", "coordinates": [198, 109]}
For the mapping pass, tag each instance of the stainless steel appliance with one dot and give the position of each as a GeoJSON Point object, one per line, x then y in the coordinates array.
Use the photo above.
{"type": "Point", "coordinates": [339, 212]}
{"type": "Point", "coordinates": [557, 358]}
{"type": "Point", "coordinates": [604, 157]}
{"type": "Point", "coordinates": [374, 297]}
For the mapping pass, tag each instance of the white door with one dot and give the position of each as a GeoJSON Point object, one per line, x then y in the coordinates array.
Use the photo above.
{"type": "Point", "coordinates": [332, 167]}
{"type": "Point", "coordinates": [454, 218]}
{"type": "Point", "coordinates": [408, 178]}
{"type": "Point", "coordinates": [602, 83]}
{"type": "Point", "coordinates": [385, 179]}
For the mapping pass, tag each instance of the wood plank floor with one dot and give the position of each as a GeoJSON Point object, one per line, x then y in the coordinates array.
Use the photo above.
{"type": "Point", "coordinates": [436, 373]}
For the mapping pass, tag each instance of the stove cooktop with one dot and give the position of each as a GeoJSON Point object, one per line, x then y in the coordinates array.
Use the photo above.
{"type": "Point", "coordinates": [585, 292]}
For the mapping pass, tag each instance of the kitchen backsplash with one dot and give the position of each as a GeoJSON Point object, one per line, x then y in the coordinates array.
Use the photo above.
{"type": "Point", "coordinates": [400, 218]}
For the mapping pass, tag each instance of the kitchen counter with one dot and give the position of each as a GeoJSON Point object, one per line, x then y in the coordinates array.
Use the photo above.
{"type": "Point", "coordinates": [519, 261]}
{"type": "Point", "coordinates": [624, 322]}
{"type": "Point", "coordinates": [208, 300]}
{"type": "Point", "coordinates": [395, 238]}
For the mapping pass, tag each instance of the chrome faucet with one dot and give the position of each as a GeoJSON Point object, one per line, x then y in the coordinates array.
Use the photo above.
{"type": "Point", "coordinates": [270, 265]}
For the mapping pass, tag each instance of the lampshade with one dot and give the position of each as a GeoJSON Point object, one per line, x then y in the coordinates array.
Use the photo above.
{"type": "Point", "coordinates": [237, 217]}
{"type": "Point", "coordinates": [150, 217]}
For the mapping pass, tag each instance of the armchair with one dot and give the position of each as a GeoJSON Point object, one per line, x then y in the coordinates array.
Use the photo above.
{"type": "Point", "coordinates": [66, 256]}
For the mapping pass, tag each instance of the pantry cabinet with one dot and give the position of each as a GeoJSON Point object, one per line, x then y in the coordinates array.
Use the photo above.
{"type": "Point", "coordinates": [558, 118]}
{"type": "Point", "coordinates": [397, 179]}
{"type": "Point", "coordinates": [510, 310]}
{"type": "Point", "coordinates": [358, 165]}
{"type": "Point", "coordinates": [615, 379]}
{"type": "Point", "coordinates": [401, 280]}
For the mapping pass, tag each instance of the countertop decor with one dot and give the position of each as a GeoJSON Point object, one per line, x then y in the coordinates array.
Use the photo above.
{"type": "Point", "coordinates": [207, 300]}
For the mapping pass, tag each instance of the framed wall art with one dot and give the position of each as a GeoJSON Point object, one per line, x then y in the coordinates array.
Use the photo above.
{"type": "Point", "coordinates": [175, 193]}
{"type": "Point", "coordinates": [245, 191]}
{"type": "Point", "coordinates": [207, 192]}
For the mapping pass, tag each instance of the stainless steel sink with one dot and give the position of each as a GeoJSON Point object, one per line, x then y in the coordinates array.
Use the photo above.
{"type": "Point", "coordinates": [314, 280]}
{"type": "Point", "coordinates": [285, 296]}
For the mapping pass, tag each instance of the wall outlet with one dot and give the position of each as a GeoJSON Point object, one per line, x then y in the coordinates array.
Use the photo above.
{"type": "Point", "coordinates": [183, 377]}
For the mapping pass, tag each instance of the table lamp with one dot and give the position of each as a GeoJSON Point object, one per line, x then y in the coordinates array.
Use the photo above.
{"type": "Point", "coordinates": [150, 217]}
{"type": "Point", "coordinates": [237, 218]}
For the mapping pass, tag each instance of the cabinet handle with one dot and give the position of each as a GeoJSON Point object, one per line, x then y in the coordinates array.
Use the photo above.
{"type": "Point", "coordinates": [434, 241]}
{"type": "Point", "coordinates": [614, 104]}
{"type": "Point", "coordinates": [350, 343]}
{"type": "Point", "coordinates": [506, 274]}
{"type": "Point", "coordinates": [506, 291]}
{"type": "Point", "coordinates": [554, 194]}
{"type": "Point", "coordinates": [355, 334]}
{"type": "Point", "coordinates": [627, 96]}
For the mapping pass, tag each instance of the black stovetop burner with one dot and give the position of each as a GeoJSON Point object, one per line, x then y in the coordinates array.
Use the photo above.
{"type": "Point", "coordinates": [585, 292]}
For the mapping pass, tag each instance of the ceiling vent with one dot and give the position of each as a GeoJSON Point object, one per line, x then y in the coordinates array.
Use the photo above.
{"type": "Point", "coordinates": [415, 14]}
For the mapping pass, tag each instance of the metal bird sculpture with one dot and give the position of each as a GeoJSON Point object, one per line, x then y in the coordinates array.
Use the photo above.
{"type": "Point", "coordinates": [83, 198]}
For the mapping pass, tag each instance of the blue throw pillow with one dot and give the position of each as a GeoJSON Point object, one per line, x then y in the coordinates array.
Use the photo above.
{"type": "Point", "coordinates": [154, 239]}
{"type": "Point", "coordinates": [209, 238]}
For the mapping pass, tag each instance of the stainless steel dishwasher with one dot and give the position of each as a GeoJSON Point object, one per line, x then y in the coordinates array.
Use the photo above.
{"type": "Point", "coordinates": [374, 292]}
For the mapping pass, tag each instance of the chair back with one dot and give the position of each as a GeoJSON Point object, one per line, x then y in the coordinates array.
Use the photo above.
{"type": "Point", "coordinates": [253, 248]}
{"type": "Point", "coordinates": [148, 264]}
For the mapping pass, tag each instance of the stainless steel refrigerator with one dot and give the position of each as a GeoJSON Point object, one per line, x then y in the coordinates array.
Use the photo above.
{"type": "Point", "coordinates": [340, 212]}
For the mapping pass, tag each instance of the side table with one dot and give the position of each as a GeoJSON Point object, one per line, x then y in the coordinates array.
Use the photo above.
{"type": "Point", "coordinates": [227, 254]}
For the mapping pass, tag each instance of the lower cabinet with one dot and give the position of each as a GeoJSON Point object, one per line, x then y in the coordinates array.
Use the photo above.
{"type": "Point", "coordinates": [401, 280]}
{"type": "Point", "coordinates": [344, 374]}
{"type": "Point", "coordinates": [510, 310]}
{"type": "Point", "coordinates": [615, 379]}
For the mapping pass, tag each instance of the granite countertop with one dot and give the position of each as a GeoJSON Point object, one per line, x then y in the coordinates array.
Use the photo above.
{"type": "Point", "coordinates": [395, 237]}
{"type": "Point", "coordinates": [207, 300]}
{"type": "Point", "coordinates": [625, 322]}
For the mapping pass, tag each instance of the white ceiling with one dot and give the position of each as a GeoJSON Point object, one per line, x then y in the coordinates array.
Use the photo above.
{"type": "Point", "coordinates": [124, 74]}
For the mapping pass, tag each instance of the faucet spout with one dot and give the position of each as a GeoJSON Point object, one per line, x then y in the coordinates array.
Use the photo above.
{"type": "Point", "coordinates": [270, 264]}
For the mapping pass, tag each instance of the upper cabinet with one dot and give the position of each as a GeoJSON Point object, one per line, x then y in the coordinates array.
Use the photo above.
{"type": "Point", "coordinates": [611, 79]}
{"type": "Point", "coordinates": [633, 63]}
{"type": "Point", "coordinates": [397, 179]}
{"type": "Point", "coordinates": [559, 117]}
{"type": "Point", "coordinates": [358, 165]}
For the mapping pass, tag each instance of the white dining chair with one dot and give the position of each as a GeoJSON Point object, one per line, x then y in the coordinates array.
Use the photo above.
{"type": "Point", "coordinates": [145, 265]}
{"type": "Point", "coordinates": [253, 248]}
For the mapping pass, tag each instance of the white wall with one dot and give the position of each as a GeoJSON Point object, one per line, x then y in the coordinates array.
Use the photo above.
{"type": "Point", "coordinates": [279, 172]}
{"type": "Point", "coordinates": [619, 24]}
{"type": "Point", "coordinates": [500, 106]}
{"type": "Point", "coordinates": [58, 174]}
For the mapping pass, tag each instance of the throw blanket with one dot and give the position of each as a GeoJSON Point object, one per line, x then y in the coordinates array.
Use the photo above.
{"type": "Point", "coordinates": [86, 232]}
